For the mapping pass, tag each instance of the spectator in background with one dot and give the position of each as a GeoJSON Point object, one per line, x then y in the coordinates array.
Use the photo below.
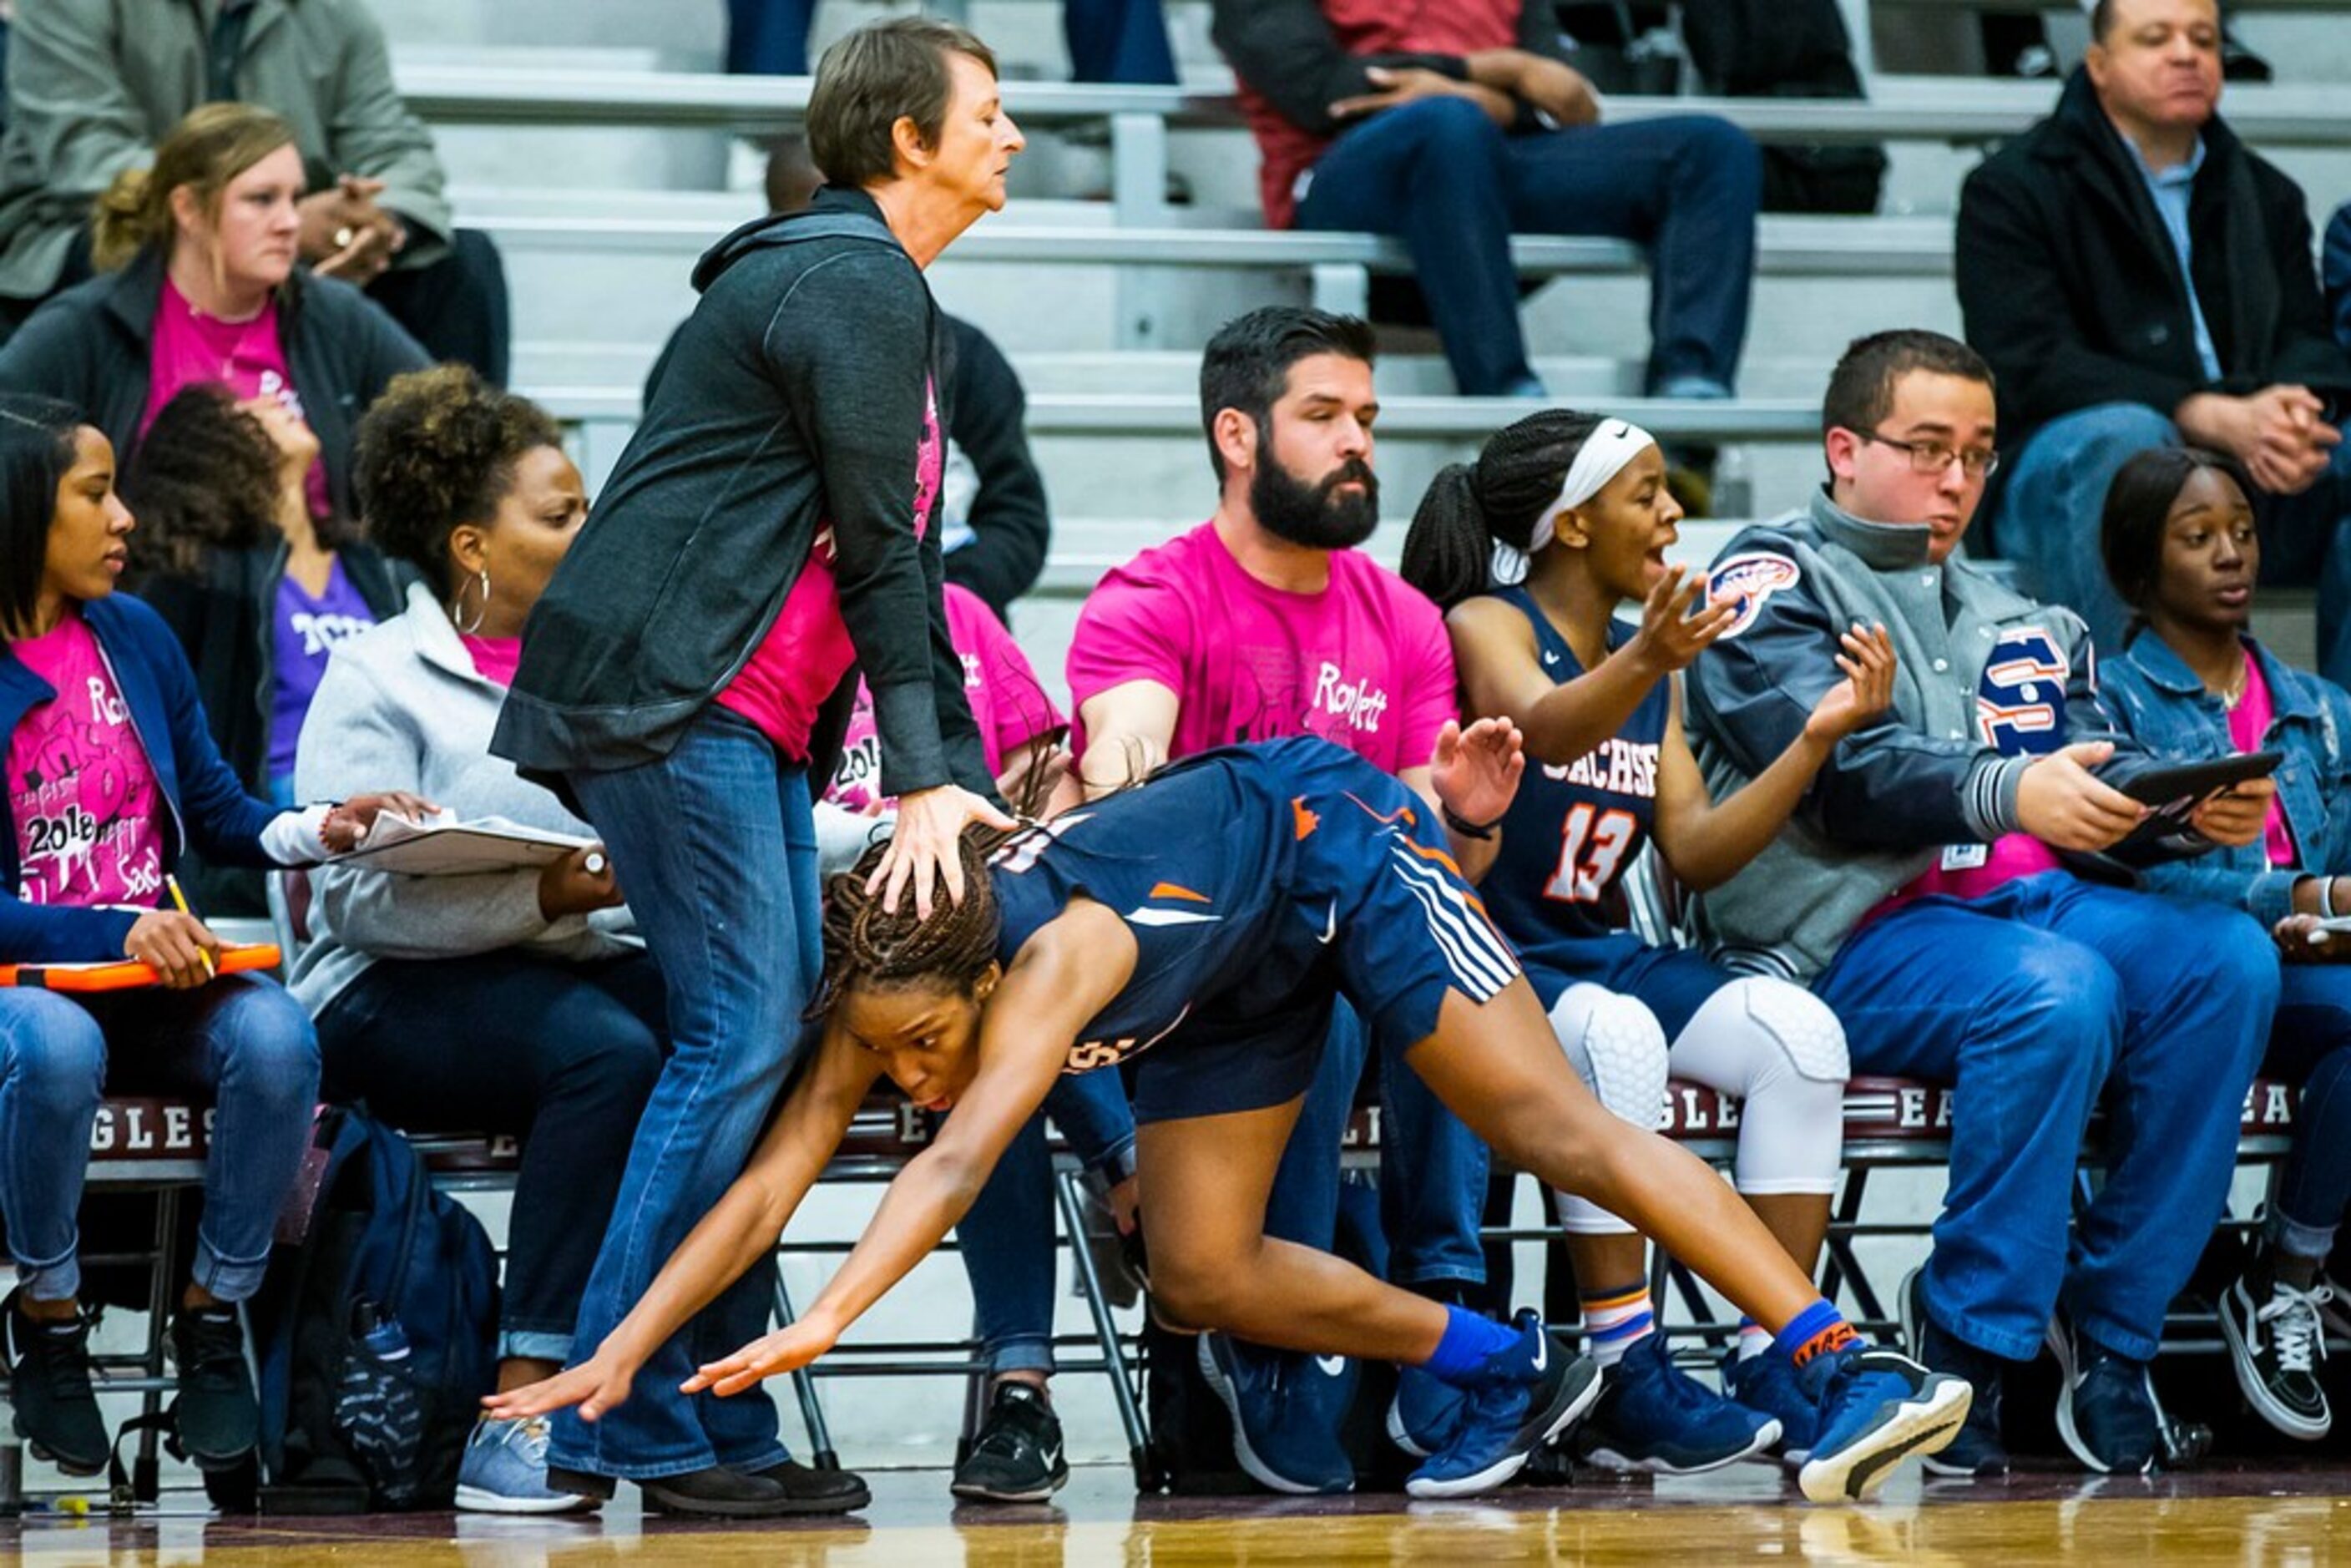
{"type": "Point", "coordinates": [2137, 277]}
{"type": "Point", "coordinates": [256, 589]}
{"type": "Point", "coordinates": [1922, 891]}
{"type": "Point", "coordinates": [108, 771]}
{"type": "Point", "coordinates": [2181, 545]}
{"type": "Point", "coordinates": [95, 85]}
{"type": "Point", "coordinates": [993, 521]}
{"type": "Point", "coordinates": [1110, 40]}
{"type": "Point", "coordinates": [2338, 274]}
{"type": "Point", "coordinates": [518, 1000]}
{"type": "Point", "coordinates": [1265, 620]}
{"type": "Point", "coordinates": [198, 284]}
{"type": "Point", "coordinates": [1456, 124]}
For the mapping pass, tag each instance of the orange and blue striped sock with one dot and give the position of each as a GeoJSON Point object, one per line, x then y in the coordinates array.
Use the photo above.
{"type": "Point", "coordinates": [1615, 1319]}
{"type": "Point", "coordinates": [1816, 1331]}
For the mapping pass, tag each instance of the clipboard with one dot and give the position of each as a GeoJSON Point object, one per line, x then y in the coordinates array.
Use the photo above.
{"type": "Point", "coordinates": [447, 847]}
{"type": "Point", "coordinates": [129, 974]}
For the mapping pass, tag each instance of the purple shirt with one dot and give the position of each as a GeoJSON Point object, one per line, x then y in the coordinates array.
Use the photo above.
{"type": "Point", "coordinates": [304, 632]}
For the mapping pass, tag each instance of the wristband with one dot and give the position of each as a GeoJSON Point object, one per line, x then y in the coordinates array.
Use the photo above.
{"type": "Point", "coordinates": [2326, 898]}
{"type": "Point", "coordinates": [1466, 828]}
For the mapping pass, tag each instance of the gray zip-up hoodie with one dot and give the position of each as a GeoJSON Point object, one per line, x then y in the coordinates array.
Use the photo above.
{"type": "Point", "coordinates": [402, 707]}
{"type": "Point", "coordinates": [1989, 682]}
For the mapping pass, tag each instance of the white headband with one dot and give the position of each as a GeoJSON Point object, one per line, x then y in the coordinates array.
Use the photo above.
{"type": "Point", "coordinates": [1602, 457]}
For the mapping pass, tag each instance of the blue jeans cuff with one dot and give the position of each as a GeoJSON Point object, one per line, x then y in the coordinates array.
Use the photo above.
{"type": "Point", "coordinates": [56, 1282]}
{"type": "Point", "coordinates": [2114, 1337]}
{"type": "Point", "coordinates": [2290, 1235]}
{"type": "Point", "coordinates": [228, 1279]}
{"type": "Point", "coordinates": [767, 1456]}
{"type": "Point", "coordinates": [533, 1344]}
{"type": "Point", "coordinates": [1021, 1355]}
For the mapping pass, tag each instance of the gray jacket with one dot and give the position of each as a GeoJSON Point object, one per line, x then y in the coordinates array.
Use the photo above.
{"type": "Point", "coordinates": [402, 707]}
{"type": "Point", "coordinates": [1989, 681]}
{"type": "Point", "coordinates": [93, 85]}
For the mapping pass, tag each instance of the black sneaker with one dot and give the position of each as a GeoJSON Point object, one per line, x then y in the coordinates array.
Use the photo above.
{"type": "Point", "coordinates": [2275, 1345]}
{"type": "Point", "coordinates": [49, 1383]}
{"type": "Point", "coordinates": [1977, 1451]}
{"type": "Point", "coordinates": [1016, 1457]}
{"type": "Point", "coordinates": [2105, 1405]}
{"type": "Point", "coordinates": [218, 1418]}
{"type": "Point", "coordinates": [811, 1491]}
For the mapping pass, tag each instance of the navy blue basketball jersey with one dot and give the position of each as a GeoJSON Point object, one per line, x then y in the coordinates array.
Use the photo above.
{"type": "Point", "coordinates": [1574, 831]}
{"type": "Point", "coordinates": [1249, 877]}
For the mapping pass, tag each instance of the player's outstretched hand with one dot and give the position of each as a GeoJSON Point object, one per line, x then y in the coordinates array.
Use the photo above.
{"type": "Point", "coordinates": [786, 1350]}
{"type": "Point", "coordinates": [596, 1385]}
{"type": "Point", "coordinates": [923, 850]}
{"type": "Point", "coordinates": [1867, 691]}
{"type": "Point", "coordinates": [1670, 636]}
{"type": "Point", "coordinates": [1476, 771]}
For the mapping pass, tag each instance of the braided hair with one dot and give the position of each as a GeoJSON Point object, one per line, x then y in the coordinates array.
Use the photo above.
{"type": "Point", "coordinates": [1470, 507]}
{"type": "Point", "coordinates": [866, 944]}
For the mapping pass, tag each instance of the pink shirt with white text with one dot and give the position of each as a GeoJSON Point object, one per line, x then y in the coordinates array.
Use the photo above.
{"type": "Point", "coordinates": [80, 788]}
{"type": "Point", "coordinates": [1364, 663]}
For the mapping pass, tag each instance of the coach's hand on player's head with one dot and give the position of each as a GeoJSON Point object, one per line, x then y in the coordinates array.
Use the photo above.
{"type": "Point", "coordinates": [1670, 634]}
{"type": "Point", "coordinates": [2061, 802]}
{"type": "Point", "coordinates": [787, 1349]}
{"type": "Point", "coordinates": [595, 1386]}
{"type": "Point", "coordinates": [1867, 691]}
{"type": "Point", "coordinates": [1476, 771]}
{"type": "Point", "coordinates": [923, 846]}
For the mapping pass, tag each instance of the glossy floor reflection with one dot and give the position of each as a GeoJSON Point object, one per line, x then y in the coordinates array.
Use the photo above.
{"type": "Point", "coordinates": [2235, 1517]}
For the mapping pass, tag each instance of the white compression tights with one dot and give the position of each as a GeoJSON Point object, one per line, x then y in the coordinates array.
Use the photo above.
{"type": "Point", "coordinates": [1773, 1045]}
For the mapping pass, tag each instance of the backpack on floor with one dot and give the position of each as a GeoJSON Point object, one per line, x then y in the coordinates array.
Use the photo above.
{"type": "Point", "coordinates": [376, 1333]}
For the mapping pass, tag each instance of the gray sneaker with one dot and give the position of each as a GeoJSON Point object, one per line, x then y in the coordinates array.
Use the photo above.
{"type": "Point", "coordinates": [505, 1470]}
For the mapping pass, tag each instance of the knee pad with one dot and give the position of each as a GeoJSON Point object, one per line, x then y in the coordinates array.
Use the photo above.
{"type": "Point", "coordinates": [1617, 1047]}
{"type": "Point", "coordinates": [1799, 1023]}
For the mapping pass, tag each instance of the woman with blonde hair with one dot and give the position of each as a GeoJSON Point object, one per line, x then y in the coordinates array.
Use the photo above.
{"type": "Point", "coordinates": [197, 282]}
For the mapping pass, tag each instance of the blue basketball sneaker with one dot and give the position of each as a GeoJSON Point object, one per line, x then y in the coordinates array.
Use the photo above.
{"type": "Point", "coordinates": [1286, 1409]}
{"type": "Point", "coordinates": [1769, 1385]}
{"type": "Point", "coordinates": [1878, 1407]}
{"type": "Point", "coordinates": [1425, 1411]}
{"type": "Point", "coordinates": [1977, 1451]}
{"type": "Point", "coordinates": [2105, 1405]}
{"type": "Point", "coordinates": [1507, 1418]}
{"type": "Point", "coordinates": [1652, 1416]}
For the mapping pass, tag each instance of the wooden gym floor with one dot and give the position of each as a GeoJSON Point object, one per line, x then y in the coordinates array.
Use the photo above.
{"type": "Point", "coordinates": [2270, 1515]}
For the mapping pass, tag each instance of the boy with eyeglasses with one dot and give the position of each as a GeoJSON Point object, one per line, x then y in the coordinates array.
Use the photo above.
{"type": "Point", "coordinates": [1922, 891]}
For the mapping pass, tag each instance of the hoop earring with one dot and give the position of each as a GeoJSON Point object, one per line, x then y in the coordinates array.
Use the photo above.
{"type": "Point", "coordinates": [457, 601]}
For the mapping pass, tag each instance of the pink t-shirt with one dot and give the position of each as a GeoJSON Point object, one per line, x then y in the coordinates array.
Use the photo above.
{"type": "Point", "coordinates": [1365, 663]}
{"type": "Point", "coordinates": [80, 786]}
{"type": "Point", "coordinates": [495, 658]}
{"type": "Point", "coordinates": [2248, 725]}
{"type": "Point", "coordinates": [1009, 703]}
{"type": "Point", "coordinates": [247, 357]}
{"type": "Point", "coordinates": [807, 651]}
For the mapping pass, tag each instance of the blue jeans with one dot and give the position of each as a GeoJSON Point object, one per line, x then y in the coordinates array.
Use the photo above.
{"type": "Point", "coordinates": [1432, 1167]}
{"type": "Point", "coordinates": [2033, 1001]}
{"type": "Point", "coordinates": [1008, 1234]}
{"type": "Point", "coordinates": [562, 1055]}
{"type": "Point", "coordinates": [1449, 182]}
{"type": "Point", "coordinates": [241, 1041]}
{"type": "Point", "coordinates": [716, 846]}
{"type": "Point", "coordinates": [1110, 40]}
{"type": "Point", "coordinates": [2311, 1046]}
{"type": "Point", "coordinates": [2053, 499]}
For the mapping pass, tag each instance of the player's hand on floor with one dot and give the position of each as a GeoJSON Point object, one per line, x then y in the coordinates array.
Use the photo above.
{"type": "Point", "coordinates": [1476, 771]}
{"type": "Point", "coordinates": [595, 1386]}
{"type": "Point", "coordinates": [786, 1350]}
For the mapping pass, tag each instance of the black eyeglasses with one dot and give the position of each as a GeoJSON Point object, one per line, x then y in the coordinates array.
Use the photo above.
{"type": "Point", "coordinates": [1934, 456]}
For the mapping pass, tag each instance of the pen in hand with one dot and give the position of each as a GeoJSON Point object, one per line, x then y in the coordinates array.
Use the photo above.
{"type": "Point", "coordinates": [180, 903]}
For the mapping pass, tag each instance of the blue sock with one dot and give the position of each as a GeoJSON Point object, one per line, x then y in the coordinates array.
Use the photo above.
{"type": "Point", "coordinates": [1470, 1348]}
{"type": "Point", "coordinates": [1818, 1328]}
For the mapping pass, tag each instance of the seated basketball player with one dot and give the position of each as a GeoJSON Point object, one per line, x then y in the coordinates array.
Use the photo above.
{"type": "Point", "coordinates": [1206, 924]}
